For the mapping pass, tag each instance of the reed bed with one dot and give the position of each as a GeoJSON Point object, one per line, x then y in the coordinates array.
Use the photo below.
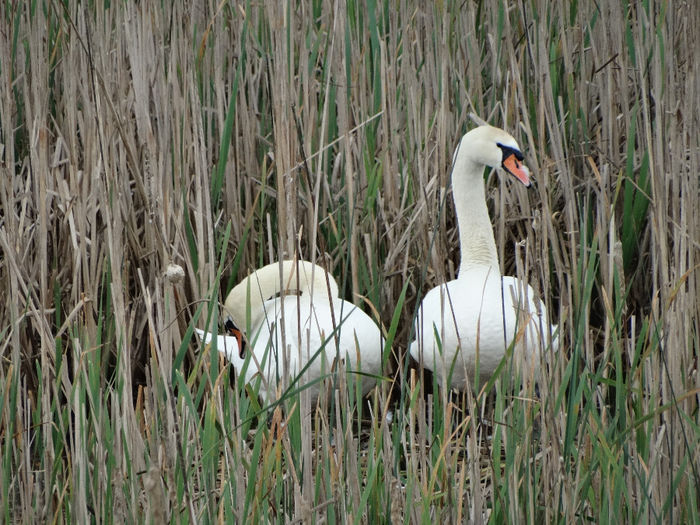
{"type": "Point", "coordinates": [224, 135]}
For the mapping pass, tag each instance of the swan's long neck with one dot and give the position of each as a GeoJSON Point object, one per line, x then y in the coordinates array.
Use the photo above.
{"type": "Point", "coordinates": [477, 243]}
{"type": "Point", "coordinates": [248, 296]}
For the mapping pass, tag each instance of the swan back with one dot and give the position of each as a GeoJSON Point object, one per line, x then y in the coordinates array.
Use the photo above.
{"type": "Point", "coordinates": [476, 318]}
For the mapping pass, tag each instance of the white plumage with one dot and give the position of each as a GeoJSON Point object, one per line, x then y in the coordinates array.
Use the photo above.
{"type": "Point", "coordinates": [479, 315]}
{"type": "Point", "coordinates": [293, 318]}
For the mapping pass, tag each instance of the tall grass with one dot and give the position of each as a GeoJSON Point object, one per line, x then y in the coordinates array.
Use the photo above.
{"type": "Point", "coordinates": [225, 135]}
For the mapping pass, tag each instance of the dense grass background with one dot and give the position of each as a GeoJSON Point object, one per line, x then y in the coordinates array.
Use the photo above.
{"type": "Point", "coordinates": [225, 135]}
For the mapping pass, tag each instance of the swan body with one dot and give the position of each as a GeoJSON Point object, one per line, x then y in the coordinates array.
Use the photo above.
{"type": "Point", "coordinates": [292, 317]}
{"type": "Point", "coordinates": [475, 318]}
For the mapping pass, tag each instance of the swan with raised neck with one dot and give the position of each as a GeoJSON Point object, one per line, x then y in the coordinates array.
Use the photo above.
{"type": "Point", "coordinates": [469, 323]}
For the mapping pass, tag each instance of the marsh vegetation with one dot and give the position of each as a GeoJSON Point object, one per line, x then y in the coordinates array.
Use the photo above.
{"type": "Point", "coordinates": [222, 136]}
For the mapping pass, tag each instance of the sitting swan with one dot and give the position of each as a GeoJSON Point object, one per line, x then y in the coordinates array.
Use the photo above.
{"type": "Point", "coordinates": [298, 304]}
{"type": "Point", "coordinates": [476, 317]}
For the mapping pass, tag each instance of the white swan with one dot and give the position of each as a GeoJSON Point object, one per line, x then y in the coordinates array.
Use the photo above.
{"type": "Point", "coordinates": [297, 302]}
{"type": "Point", "coordinates": [477, 316]}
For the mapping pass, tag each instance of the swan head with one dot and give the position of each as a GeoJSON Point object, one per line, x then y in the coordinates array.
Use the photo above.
{"type": "Point", "coordinates": [493, 147]}
{"type": "Point", "coordinates": [230, 326]}
{"type": "Point", "coordinates": [233, 331]}
{"type": "Point", "coordinates": [235, 308]}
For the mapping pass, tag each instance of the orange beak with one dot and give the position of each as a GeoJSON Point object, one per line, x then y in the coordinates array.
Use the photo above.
{"type": "Point", "coordinates": [516, 168]}
{"type": "Point", "coordinates": [235, 332]}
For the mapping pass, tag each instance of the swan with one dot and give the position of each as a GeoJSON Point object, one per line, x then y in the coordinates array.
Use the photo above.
{"type": "Point", "coordinates": [477, 316]}
{"type": "Point", "coordinates": [296, 301]}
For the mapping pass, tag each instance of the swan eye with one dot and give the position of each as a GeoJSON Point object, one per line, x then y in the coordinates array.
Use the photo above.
{"type": "Point", "coordinates": [508, 151]}
{"type": "Point", "coordinates": [233, 331]}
